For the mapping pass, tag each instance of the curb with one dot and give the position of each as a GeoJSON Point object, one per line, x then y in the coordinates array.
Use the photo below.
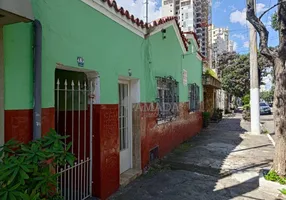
{"type": "Point", "coordinates": [271, 139]}
{"type": "Point", "coordinates": [268, 135]}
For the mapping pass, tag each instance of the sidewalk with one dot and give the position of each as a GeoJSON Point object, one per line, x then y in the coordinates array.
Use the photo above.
{"type": "Point", "coordinates": [220, 163]}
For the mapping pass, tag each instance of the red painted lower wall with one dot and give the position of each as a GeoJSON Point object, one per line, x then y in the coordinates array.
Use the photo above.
{"type": "Point", "coordinates": [106, 153]}
{"type": "Point", "coordinates": [105, 150]}
{"type": "Point", "coordinates": [19, 123]}
{"type": "Point", "coordinates": [167, 135]}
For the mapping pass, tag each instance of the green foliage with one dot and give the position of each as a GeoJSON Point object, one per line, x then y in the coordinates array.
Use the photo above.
{"type": "Point", "coordinates": [234, 71]}
{"type": "Point", "coordinates": [206, 119]}
{"type": "Point", "coordinates": [184, 147]}
{"type": "Point", "coordinates": [217, 114]}
{"type": "Point", "coordinates": [27, 170]}
{"type": "Point", "coordinates": [283, 191]}
{"type": "Point", "coordinates": [246, 99]}
{"type": "Point", "coordinates": [274, 21]}
{"type": "Point", "coordinates": [273, 176]}
{"type": "Point", "coordinates": [267, 96]}
{"type": "Point", "coordinates": [246, 107]}
{"type": "Point", "coordinates": [206, 115]}
{"type": "Point", "coordinates": [211, 73]}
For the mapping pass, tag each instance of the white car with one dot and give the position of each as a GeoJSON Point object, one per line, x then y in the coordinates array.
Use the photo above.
{"type": "Point", "coordinates": [264, 108]}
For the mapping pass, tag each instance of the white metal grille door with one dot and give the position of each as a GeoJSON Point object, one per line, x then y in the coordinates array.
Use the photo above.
{"type": "Point", "coordinates": [124, 126]}
{"type": "Point", "coordinates": [74, 119]}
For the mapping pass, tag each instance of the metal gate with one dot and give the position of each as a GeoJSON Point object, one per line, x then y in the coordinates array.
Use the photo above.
{"type": "Point", "coordinates": [74, 119]}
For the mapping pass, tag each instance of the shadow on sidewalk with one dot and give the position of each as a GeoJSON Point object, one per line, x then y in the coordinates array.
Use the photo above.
{"type": "Point", "coordinates": [205, 170]}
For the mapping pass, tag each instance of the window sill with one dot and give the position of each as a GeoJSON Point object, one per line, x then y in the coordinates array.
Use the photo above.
{"type": "Point", "coordinates": [192, 112]}
{"type": "Point", "coordinates": [166, 120]}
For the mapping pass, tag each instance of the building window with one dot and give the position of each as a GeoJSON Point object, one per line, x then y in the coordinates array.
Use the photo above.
{"type": "Point", "coordinates": [184, 24]}
{"type": "Point", "coordinates": [185, 3]}
{"type": "Point", "coordinates": [194, 96]}
{"type": "Point", "coordinates": [187, 15]}
{"type": "Point", "coordinates": [168, 2]}
{"type": "Point", "coordinates": [167, 98]}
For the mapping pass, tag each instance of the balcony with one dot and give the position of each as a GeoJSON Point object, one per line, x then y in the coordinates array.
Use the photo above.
{"type": "Point", "coordinates": [211, 81]}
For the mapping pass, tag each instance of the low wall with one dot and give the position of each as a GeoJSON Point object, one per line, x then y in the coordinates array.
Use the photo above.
{"type": "Point", "coordinates": [19, 123]}
{"type": "Point", "coordinates": [168, 135]}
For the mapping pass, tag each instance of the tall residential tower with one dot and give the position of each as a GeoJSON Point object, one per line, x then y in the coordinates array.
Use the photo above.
{"type": "Point", "coordinates": [193, 15]}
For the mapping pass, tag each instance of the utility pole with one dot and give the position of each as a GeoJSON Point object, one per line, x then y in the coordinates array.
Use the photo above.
{"type": "Point", "coordinates": [254, 84]}
{"type": "Point", "coordinates": [147, 11]}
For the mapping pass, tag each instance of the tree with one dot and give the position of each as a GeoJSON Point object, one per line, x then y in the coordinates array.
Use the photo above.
{"type": "Point", "coordinates": [274, 23]}
{"type": "Point", "coordinates": [233, 69]}
{"type": "Point", "coordinates": [278, 58]}
{"type": "Point", "coordinates": [266, 96]}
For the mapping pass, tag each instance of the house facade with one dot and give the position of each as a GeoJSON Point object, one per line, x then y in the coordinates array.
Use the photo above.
{"type": "Point", "coordinates": [124, 92]}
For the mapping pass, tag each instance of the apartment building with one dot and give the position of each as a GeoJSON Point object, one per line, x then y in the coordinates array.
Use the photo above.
{"type": "Point", "coordinates": [219, 40]}
{"type": "Point", "coordinates": [231, 46]}
{"type": "Point", "coordinates": [193, 15]}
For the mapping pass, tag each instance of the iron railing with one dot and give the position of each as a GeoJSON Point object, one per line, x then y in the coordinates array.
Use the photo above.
{"type": "Point", "coordinates": [167, 98]}
{"type": "Point", "coordinates": [74, 119]}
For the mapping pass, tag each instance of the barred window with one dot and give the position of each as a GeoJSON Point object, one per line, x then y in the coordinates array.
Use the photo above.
{"type": "Point", "coordinates": [167, 98]}
{"type": "Point", "coordinates": [194, 96]}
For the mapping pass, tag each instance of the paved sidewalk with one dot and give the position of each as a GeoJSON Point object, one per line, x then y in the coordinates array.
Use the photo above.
{"type": "Point", "coordinates": [220, 163]}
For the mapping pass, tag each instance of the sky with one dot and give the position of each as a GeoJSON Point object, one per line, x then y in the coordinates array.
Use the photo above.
{"type": "Point", "coordinates": [225, 13]}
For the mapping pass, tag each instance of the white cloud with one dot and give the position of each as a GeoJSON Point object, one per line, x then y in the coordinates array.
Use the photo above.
{"type": "Point", "coordinates": [268, 21]}
{"type": "Point", "coordinates": [240, 16]}
{"type": "Point", "coordinates": [217, 4]}
{"type": "Point", "coordinates": [267, 81]}
{"type": "Point", "coordinates": [239, 36]}
{"type": "Point", "coordinates": [260, 7]}
{"type": "Point", "coordinates": [232, 8]}
{"type": "Point", "coordinates": [246, 44]}
{"type": "Point", "coordinates": [137, 8]}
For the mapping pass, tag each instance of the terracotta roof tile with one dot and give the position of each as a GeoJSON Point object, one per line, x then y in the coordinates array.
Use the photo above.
{"type": "Point", "coordinates": [113, 5]}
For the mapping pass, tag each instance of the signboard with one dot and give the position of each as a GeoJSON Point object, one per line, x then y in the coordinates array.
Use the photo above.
{"type": "Point", "coordinates": [80, 61]}
{"type": "Point", "coordinates": [185, 77]}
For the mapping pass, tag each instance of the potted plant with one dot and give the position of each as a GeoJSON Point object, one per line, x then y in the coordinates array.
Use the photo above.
{"type": "Point", "coordinates": [27, 170]}
{"type": "Point", "coordinates": [206, 119]}
{"type": "Point", "coordinates": [246, 112]}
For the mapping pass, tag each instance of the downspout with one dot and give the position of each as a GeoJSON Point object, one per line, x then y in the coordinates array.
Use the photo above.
{"type": "Point", "coordinates": [37, 109]}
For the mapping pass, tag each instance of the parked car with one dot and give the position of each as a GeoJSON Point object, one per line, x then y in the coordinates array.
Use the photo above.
{"type": "Point", "coordinates": [270, 104]}
{"type": "Point", "coordinates": [264, 108]}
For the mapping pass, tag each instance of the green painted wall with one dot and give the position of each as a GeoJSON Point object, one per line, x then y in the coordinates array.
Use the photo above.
{"type": "Point", "coordinates": [166, 59]}
{"type": "Point", "coordinates": [195, 70]}
{"type": "Point", "coordinates": [18, 65]}
{"type": "Point", "coordinates": [71, 29]}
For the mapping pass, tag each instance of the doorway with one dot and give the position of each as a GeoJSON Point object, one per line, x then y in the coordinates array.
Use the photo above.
{"type": "Point", "coordinates": [74, 93]}
{"type": "Point", "coordinates": [125, 126]}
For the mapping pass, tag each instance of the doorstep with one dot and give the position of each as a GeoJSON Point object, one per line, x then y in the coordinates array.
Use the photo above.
{"type": "Point", "coordinates": [128, 176]}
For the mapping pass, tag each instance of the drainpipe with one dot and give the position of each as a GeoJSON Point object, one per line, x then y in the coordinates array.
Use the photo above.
{"type": "Point", "coordinates": [37, 109]}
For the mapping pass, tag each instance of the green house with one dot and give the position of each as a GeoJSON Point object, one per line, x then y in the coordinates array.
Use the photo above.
{"type": "Point", "coordinates": [125, 92]}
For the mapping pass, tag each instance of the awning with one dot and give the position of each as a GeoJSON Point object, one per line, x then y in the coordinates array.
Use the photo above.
{"type": "Point", "coordinates": [210, 81]}
{"type": "Point", "coordinates": [14, 11]}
